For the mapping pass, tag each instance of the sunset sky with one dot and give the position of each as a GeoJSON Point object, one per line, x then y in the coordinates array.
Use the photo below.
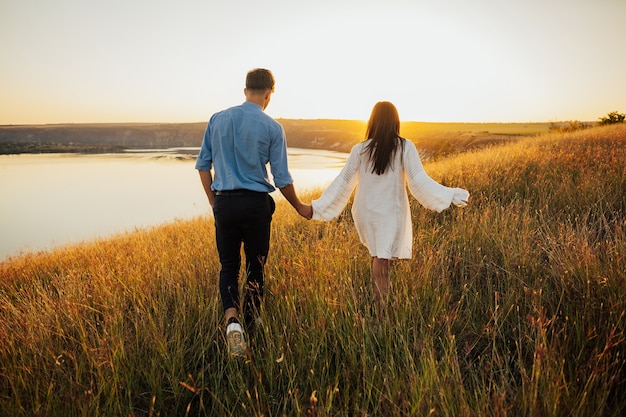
{"type": "Point", "coordinates": [80, 61]}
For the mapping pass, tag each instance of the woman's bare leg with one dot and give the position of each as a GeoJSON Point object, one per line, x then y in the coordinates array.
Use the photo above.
{"type": "Point", "coordinates": [380, 281]}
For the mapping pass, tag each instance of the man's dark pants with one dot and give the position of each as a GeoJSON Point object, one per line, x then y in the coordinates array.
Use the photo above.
{"type": "Point", "coordinates": [242, 216]}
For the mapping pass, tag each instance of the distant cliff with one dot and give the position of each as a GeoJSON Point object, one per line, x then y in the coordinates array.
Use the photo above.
{"type": "Point", "coordinates": [94, 136]}
{"type": "Point", "coordinates": [433, 139]}
{"type": "Point", "coordinates": [316, 134]}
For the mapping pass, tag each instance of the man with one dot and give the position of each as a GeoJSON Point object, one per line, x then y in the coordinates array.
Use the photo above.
{"type": "Point", "coordinates": [238, 143]}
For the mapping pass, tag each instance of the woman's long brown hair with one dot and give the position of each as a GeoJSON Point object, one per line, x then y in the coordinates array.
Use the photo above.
{"type": "Point", "coordinates": [383, 128]}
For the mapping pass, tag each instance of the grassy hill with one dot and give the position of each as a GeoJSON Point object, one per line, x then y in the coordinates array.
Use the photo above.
{"type": "Point", "coordinates": [436, 140]}
{"type": "Point", "coordinates": [514, 305]}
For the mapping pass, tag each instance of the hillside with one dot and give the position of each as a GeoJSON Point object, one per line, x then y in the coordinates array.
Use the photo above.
{"type": "Point", "coordinates": [435, 139]}
{"type": "Point", "coordinates": [512, 306]}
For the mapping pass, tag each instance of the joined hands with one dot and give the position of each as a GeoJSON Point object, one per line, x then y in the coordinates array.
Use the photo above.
{"type": "Point", "coordinates": [306, 211]}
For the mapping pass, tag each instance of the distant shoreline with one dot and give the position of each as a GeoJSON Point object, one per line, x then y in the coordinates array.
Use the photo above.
{"type": "Point", "coordinates": [323, 134]}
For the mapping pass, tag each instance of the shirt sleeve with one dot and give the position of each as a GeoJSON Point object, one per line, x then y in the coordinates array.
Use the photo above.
{"type": "Point", "coordinates": [278, 158]}
{"type": "Point", "coordinates": [334, 199]}
{"type": "Point", "coordinates": [204, 162]}
{"type": "Point", "coordinates": [427, 191]}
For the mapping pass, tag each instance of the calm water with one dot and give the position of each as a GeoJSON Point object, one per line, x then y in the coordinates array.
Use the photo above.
{"type": "Point", "coordinates": [52, 200]}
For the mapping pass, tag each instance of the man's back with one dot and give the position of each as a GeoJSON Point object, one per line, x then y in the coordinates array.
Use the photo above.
{"type": "Point", "coordinates": [238, 143]}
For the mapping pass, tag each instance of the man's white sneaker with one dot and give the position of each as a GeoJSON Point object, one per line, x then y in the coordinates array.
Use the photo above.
{"type": "Point", "coordinates": [235, 340]}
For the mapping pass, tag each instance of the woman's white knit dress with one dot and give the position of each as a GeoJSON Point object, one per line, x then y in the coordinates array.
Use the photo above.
{"type": "Point", "coordinates": [380, 209]}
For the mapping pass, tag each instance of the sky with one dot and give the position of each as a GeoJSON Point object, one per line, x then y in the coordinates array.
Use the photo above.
{"type": "Point", "coordinates": [87, 61]}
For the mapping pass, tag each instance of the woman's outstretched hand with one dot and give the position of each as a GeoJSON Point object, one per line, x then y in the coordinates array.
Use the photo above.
{"type": "Point", "coordinates": [460, 198]}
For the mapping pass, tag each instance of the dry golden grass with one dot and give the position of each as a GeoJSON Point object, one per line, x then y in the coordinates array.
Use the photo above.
{"type": "Point", "coordinates": [436, 140]}
{"type": "Point", "coordinates": [514, 305]}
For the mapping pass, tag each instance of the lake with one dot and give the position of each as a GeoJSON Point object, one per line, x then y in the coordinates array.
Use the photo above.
{"type": "Point", "coordinates": [50, 200]}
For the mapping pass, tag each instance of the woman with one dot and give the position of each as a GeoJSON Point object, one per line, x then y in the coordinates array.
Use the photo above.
{"type": "Point", "coordinates": [382, 165]}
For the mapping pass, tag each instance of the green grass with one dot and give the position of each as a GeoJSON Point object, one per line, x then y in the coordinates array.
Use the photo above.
{"type": "Point", "coordinates": [514, 305]}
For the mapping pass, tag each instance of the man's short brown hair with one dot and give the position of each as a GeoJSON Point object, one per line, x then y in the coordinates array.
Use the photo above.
{"type": "Point", "coordinates": [260, 79]}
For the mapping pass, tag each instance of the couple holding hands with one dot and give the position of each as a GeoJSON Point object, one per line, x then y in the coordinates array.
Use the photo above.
{"type": "Point", "coordinates": [238, 144]}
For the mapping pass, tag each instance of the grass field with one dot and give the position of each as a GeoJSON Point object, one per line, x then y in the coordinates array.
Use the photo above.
{"type": "Point", "coordinates": [512, 306]}
{"type": "Point", "coordinates": [435, 140]}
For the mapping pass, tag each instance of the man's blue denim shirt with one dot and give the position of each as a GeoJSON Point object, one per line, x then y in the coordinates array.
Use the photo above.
{"type": "Point", "coordinates": [238, 144]}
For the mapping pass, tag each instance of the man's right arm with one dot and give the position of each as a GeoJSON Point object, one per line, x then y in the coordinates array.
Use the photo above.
{"type": "Point", "coordinates": [207, 181]}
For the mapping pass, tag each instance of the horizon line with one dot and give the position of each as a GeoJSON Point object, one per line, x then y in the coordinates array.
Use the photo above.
{"type": "Point", "coordinates": [286, 118]}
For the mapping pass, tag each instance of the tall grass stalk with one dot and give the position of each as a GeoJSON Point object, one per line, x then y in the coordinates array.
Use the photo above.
{"type": "Point", "coordinates": [513, 306]}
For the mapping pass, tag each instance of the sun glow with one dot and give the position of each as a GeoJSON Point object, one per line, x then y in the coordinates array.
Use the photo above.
{"type": "Point", "coordinates": [451, 60]}
{"type": "Point", "coordinates": [431, 66]}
